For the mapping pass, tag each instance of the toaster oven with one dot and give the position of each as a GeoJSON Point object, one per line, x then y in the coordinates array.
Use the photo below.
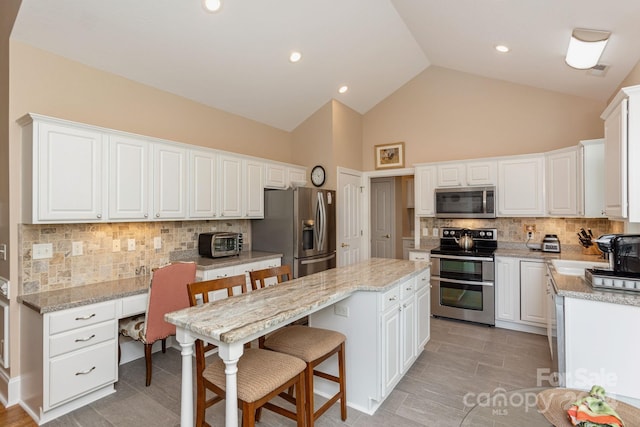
{"type": "Point", "coordinates": [219, 244]}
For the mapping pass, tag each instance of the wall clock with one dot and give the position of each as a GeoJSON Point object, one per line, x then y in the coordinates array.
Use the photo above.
{"type": "Point", "coordinates": [318, 176]}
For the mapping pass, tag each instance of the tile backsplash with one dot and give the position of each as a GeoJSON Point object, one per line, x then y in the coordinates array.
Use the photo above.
{"type": "Point", "coordinates": [511, 230]}
{"type": "Point", "coordinates": [99, 262]}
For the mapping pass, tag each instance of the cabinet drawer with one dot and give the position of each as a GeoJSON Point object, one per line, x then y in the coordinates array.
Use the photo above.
{"type": "Point", "coordinates": [390, 298]}
{"type": "Point", "coordinates": [407, 289]}
{"type": "Point", "coordinates": [81, 338]}
{"type": "Point", "coordinates": [135, 304]}
{"type": "Point", "coordinates": [82, 371]}
{"type": "Point", "coordinates": [423, 280]}
{"type": "Point", "coordinates": [81, 316]}
{"type": "Point", "coordinates": [418, 256]}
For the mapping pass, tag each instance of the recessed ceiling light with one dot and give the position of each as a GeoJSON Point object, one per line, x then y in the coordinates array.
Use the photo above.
{"type": "Point", "coordinates": [343, 89]}
{"type": "Point", "coordinates": [295, 56]}
{"type": "Point", "coordinates": [502, 48]}
{"type": "Point", "coordinates": [212, 5]}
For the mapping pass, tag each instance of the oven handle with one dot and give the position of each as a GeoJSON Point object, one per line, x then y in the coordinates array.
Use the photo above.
{"type": "Point", "coordinates": [460, 282]}
{"type": "Point", "coordinates": [463, 258]}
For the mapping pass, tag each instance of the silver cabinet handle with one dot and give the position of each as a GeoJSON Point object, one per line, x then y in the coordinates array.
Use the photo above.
{"type": "Point", "coordinates": [99, 216]}
{"type": "Point", "coordinates": [88, 371]}
{"type": "Point", "coordinates": [409, 288]}
{"type": "Point", "coordinates": [85, 339]}
{"type": "Point", "coordinates": [146, 215]}
{"type": "Point", "coordinates": [157, 215]}
{"type": "Point", "coordinates": [86, 317]}
{"type": "Point", "coordinates": [393, 298]}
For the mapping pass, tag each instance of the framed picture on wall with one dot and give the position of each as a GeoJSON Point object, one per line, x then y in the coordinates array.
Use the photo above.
{"type": "Point", "coordinates": [389, 156]}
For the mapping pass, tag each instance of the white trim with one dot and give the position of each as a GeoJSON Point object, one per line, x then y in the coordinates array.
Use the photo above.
{"type": "Point", "coordinates": [388, 172]}
{"type": "Point", "coordinates": [12, 385]}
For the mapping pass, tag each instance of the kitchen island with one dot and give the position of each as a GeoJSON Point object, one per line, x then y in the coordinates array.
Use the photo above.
{"type": "Point", "coordinates": [232, 322]}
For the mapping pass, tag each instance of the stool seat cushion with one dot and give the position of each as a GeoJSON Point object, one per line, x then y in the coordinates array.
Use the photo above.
{"type": "Point", "coordinates": [259, 372]}
{"type": "Point", "coordinates": [304, 342]}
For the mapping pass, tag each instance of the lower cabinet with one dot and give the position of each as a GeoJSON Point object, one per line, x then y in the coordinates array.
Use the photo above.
{"type": "Point", "coordinates": [236, 270]}
{"type": "Point", "coordinates": [521, 294]}
{"type": "Point", "coordinates": [70, 357]}
{"type": "Point", "coordinates": [386, 331]}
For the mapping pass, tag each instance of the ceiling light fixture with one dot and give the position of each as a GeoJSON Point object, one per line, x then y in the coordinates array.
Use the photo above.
{"type": "Point", "coordinates": [502, 48]}
{"type": "Point", "coordinates": [295, 56]}
{"type": "Point", "coordinates": [586, 47]}
{"type": "Point", "coordinates": [343, 89]}
{"type": "Point", "coordinates": [212, 6]}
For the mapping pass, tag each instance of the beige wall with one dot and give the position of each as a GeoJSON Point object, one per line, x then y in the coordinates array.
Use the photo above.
{"type": "Point", "coordinates": [633, 78]}
{"type": "Point", "coordinates": [448, 115]}
{"type": "Point", "coordinates": [347, 136]}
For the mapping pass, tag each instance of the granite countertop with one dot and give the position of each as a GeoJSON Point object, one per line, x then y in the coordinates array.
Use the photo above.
{"type": "Point", "coordinates": [62, 299]}
{"type": "Point", "coordinates": [236, 318]}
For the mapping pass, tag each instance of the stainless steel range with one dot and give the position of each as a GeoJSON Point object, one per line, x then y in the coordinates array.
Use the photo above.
{"type": "Point", "coordinates": [462, 275]}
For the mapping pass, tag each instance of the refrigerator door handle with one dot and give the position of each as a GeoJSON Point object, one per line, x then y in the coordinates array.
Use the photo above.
{"type": "Point", "coordinates": [321, 221]}
{"type": "Point", "coordinates": [317, 260]}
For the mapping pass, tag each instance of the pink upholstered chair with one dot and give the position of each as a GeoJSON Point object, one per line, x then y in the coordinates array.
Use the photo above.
{"type": "Point", "coordinates": [167, 292]}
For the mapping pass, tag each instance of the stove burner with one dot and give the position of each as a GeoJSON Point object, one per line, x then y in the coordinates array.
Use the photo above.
{"type": "Point", "coordinates": [485, 242]}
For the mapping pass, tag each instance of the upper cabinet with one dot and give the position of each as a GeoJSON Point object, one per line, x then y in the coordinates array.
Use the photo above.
{"type": "Point", "coordinates": [424, 183]}
{"type": "Point", "coordinates": [592, 175]}
{"type": "Point", "coordinates": [280, 175]}
{"type": "Point", "coordinates": [562, 182]}
{"type": "Point", "coordinates": [461, 174]}
{"type": "Point", "coordinates": [64, 167]}
{"type": "Point", "coordinates": [621, 150]}
{"type": "Point", "coordinates": [80, 173]}
{"type": "Point", "coordinates": [521, 186]}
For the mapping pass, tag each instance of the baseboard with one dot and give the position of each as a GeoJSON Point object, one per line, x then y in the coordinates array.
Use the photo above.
{"type": "Point", "coordinates": [9, 389]}
{"type": "Point", "coordinates": [521, 327]}
{"type": "Point", "coordinates": [131, 350]}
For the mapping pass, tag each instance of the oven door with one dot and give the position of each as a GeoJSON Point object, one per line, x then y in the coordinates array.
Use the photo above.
{"type": "Point", "coordinates": [469, 268]}
{"type": "Point", "coordinates": [462, 299]}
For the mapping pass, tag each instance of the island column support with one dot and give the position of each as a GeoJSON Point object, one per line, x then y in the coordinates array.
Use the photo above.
{"type": "Point", "coordinates": [230, 354]}
{"type": "Point", "coordinates": [186, 398]}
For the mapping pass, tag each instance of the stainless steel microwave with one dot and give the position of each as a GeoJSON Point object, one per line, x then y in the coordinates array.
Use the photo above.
{"type": "Point", "coordinates": [465, 202]}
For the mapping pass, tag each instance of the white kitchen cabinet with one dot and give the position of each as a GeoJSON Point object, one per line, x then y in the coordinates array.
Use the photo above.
{"type": "Point", "coordinates": [561, 167]}
{"type": "Point", "coordinates": [418, 256]}
{"type": "Point", "coordinates": [254, 189]}
{"type": "Point", "coordinates": [275, 176]}
{"type": "Point", "coordinates": [615, 157]}
{"type": "Point", "coordinates": [296, 176]}
{"type": "Point", "coordinates": [613, 365]}
{"type": "Point", "coordinates": [236, 270]}
{"type": "Point", "coordinates": [425, 183]}
{"type": "Point", "coordinates": [70, 357]}
{"type": "Point", "coordinates": [591, 176]}
{"type": "Point", "coordinates": [482, 172]}
{"type": "Point", "coordinates": [202, 184]}
{"type": "Point", "coordinates": [170, 181]}
{"type": "Point", "coordinates": [423, 310]}
{"type": "Point", "coordinates": [386, 330]}
{"type": "Point", "coordinates": [451, 175]}
{"type": "Point", "coordinates": [231, 186]}
{"type": "Point", "coordinates": [63, 171]}
{"type": "Point", "coordinates": [533, 293]}
{"type": "Point", "coordinates": [128, 178]}
{"type": "Point", "coordinates": [521, 186]}
{"type": "Point", "coordinates": [507, 283]}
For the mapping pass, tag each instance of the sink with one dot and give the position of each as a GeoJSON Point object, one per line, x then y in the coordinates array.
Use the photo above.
{"type": "Point", "coordinates": [575, 268]}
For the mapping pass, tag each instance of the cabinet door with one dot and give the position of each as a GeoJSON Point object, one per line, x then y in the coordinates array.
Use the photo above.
{"type": "Point", "coordinates": [615, 162]}
{"type": "Point", "coordinates": [591, 178]}
{"type": "Point", "coordinates": [169, 181]}
{"type": "Point", "coordinates": [296, 176]}
{"type": "Point", "coordinates": [254, 189]}
{"type": "Point", "coordinates": [507, 289]}
{"type": "Point", "coordinates": [562, 182]}
{"type": "Point", "coordinates": [423, 304]}
{"type": "Point", "coordinates": [481, 173]}
{"type": "Point", "coordinates": [68, 173]}
{"type": "Point", "coordinates": [276, 176]}
{"type": "Point", "coordinates": [202, 184]}
{"type": "Point", "coordinates": [425, 181]}
{"type": "Point", "coordinates": [409, 332]}
{"type": "Point", "coordinates": [128, 178]}
{"type": "Point", "coordinates": [521, 186]}
{"type": "Point", "coordinates": [533, 292]}
{"type": "Point", "coordinates": [391, 349]}
{"type": "Point", "coordinates": [451, 175]}
{"type": "Point", "coordinates": [231, 186]}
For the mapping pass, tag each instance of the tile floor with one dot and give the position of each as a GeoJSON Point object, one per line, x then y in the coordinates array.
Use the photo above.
{"type": "Point", "coordinates": [459, 359]}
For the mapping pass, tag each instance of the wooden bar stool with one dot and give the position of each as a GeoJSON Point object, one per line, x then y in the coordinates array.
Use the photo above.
{"type": "Point", "coordinates": [262, 374]}
{"type": "Point", "coordinates": [313, 345]}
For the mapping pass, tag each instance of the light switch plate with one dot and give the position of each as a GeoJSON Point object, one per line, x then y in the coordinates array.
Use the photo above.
{"type": "Point", "coordinates": [76, 248]}
{"type": "Point", "coordinates": [115, 245]}
{"type": "Point", "coordinates": [131, 245]}
{"type": "Point", "coordinates": [435, 232]}
{"type": "Point", "coordinates": [42, 251]}
{"type": "Point", "coordinates": [425, 232]}
{"type": "Point", "coordinates": [157, 242]}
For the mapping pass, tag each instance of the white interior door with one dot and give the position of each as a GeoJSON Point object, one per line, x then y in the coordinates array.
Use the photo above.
{"type": "Point", "coordinates": [382, 218]}
{"type": "Point", "coordinates": [349, 215]}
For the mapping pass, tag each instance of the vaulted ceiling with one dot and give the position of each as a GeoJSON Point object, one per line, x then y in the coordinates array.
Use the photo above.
{"type": "Point", "coordinates": [237, 59]}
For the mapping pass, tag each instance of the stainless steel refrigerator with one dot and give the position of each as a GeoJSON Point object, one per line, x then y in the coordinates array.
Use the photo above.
{"type": "Point", "coordinates": [300, 223]}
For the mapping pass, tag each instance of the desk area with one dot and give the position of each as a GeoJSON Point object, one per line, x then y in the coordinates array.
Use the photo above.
{"type": "Point", "coordinates": [234, 321]}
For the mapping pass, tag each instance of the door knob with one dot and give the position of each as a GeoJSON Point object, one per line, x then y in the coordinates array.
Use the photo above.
{"type": "Point", "coordinates": [386, 236]}
{"type": "Point", "coordinates": [344, 245]}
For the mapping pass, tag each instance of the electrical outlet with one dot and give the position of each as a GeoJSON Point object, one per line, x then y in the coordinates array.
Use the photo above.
{"type": "Point", "coordinates": [425, 232]}
{"type": "Point", "coordinates": [115, 245]}
{"type": "Point", "coordinates": [42, 251]}
{"type": "Point", "coordinates": [434, 232]}
{"type": "Point", "coordinates": [157, 242]}
{"type": "Point", "coordinates": [76, 248]}
{"type": "Point", "coordinates": [131, 245]}
{"type": "Point", "coordinates": [530, 235]}
{"type": "Point", "coordinates": [341, 310]}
